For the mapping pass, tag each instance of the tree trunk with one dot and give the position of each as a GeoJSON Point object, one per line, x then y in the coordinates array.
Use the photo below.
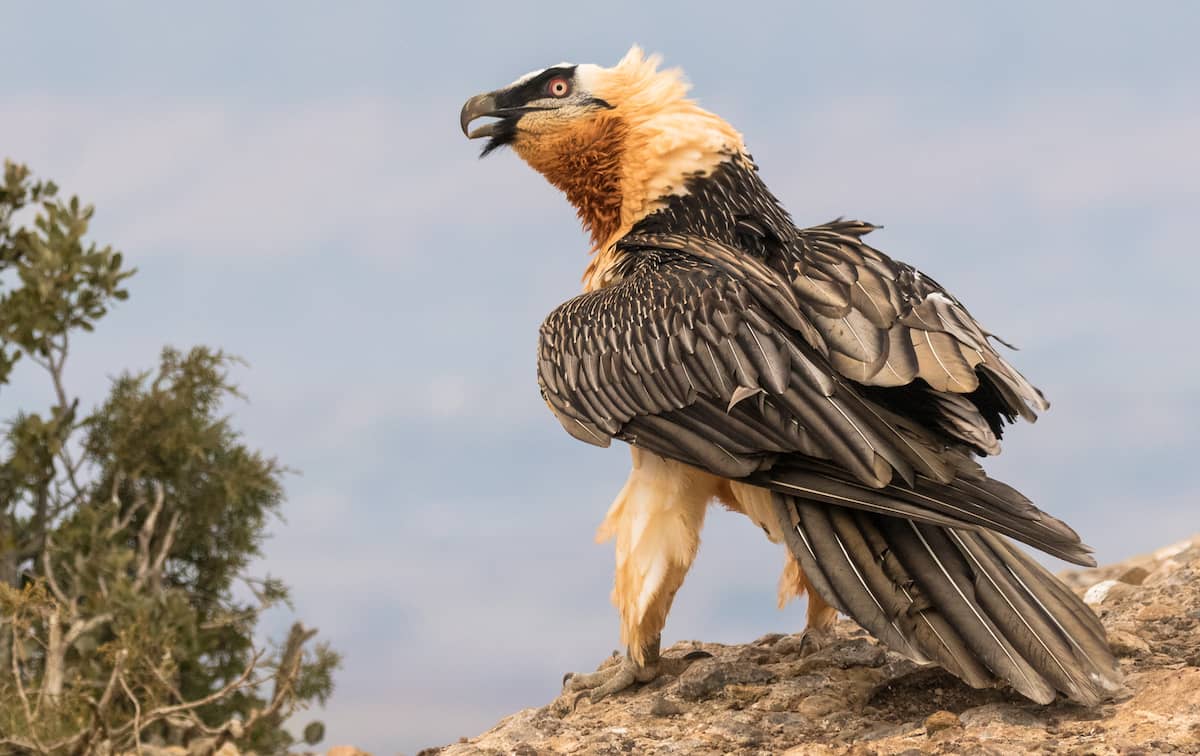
{"type": "Point", "coordinates": [10, 574]}
{"type": "Point", "coordinates": [56, 661]}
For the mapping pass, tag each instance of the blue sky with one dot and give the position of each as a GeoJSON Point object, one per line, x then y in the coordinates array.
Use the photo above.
{"type": "Point", "coordinates": [291, 182]}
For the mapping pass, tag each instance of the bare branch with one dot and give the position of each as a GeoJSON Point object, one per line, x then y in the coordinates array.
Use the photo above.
{"type": "Point", "coordinates": [146, 534]}
{"type": "Point", "coordinates": [59, 643]}
{"type": "Point", "coordinates": [183, 713]}
{"type": "Point", "coordinates": [137, 715]}
{"type": "Point", "coordinates": [25, 745]}
{"type": "Point", "coordinates": [114, 498]}
{"type": "Point", "coordinates": [78, 628]}
{"type": "Point", "coordinates": [16, 671]}
{"type": "Point", "coordinates": [99, 722]}
{"type": "Point", "coordinates": [170, 686]}
{"type": "Point", "coordinates": [118, 667]}
{"type": "Point", "coordinates": [55, 369]}
{"type": "Point", "coordinates": [43, 364]}
{"type": "Point", "coordinates": [123, 522]}
{"type": "Point", "coordinates": [286, 674]}
{"type": "Point", "coordinates": [56, 373]}
{"type": "Point", "coordinates": [50, 577]}
{"type": "Point", "coordinates": [243, 681]}
{"type": "Point", "coordinates": [71, 468]}
{"type": "Point", "coordinates": [52, 675]}
{"type": "Point", "coordinates": [231, 618]}
{"type": "Point", "coordinates": [167, 541]}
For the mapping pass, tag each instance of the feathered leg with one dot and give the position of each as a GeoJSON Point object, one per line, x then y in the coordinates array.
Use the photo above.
{"type": "Point", "coordinates": [757, 504]}
{"type": "Point", "coordinates": [656, 520]}
{"type": "Point", "coordinates": [819, 615]}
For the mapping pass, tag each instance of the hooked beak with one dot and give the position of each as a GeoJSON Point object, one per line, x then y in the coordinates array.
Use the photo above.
{"type": "Point", "coordinates": [477, 107]}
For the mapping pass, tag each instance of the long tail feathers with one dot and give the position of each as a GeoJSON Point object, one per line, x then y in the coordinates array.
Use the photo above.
{"type": "Point", "coordinates": [968, 600]}
{"type": "Point", "coordinates": [971, 501]}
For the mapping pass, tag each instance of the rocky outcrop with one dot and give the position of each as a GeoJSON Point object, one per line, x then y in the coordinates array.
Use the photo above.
{"type": "Point", "coordinates": [853, 696]}
{"type": "Point", "coordinates": [204, 748]}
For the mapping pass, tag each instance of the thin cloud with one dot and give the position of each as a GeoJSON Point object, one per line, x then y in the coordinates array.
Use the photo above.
{"type": "Point", "coordinates": [1072, 153]}
{"type": "Point", "coordinates": [205, 179]}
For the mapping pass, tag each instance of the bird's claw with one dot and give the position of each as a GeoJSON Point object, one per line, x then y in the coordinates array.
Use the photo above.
{"type": "Point", "coordinates": [814, 639]}
{"type": "Point", "coordinates": [601, 684]}
{"type": "Point", "coordinates": [614, 678]}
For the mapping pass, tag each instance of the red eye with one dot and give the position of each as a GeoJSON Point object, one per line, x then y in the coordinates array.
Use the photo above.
{"type": "Point", "coordinates": [559, 87]}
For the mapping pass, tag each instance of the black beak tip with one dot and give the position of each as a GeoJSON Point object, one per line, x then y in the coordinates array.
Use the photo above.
{"type": "Point", "coordinates": [464, 119]}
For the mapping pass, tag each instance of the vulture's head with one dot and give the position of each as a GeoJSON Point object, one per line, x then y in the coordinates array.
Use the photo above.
{"type": "Point", "coordinates": [616, 140]}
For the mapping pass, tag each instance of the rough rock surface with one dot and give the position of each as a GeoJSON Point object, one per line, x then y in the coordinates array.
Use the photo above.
{"type": "Point", "coordinates": [854, 697]}
{"type": "Point", "coordinates": [201, 748]}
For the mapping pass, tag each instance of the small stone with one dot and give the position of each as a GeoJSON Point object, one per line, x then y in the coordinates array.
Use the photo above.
{"type": "Point", "coordinates": [1156, 612]}
{"type": "Point", "coordinates": [788, 644]}
{"type": "Point", "coordinates": [859, 653]}
{"type": "Point", "coordinates": [785, 719]}
{"type": "Point", "coordinates": [1164, 573]}
{"type": "Point", "coordinates": [1134, 575]}
{"type": "Point", "coordinates": [770, 639]}
{"type": "Point", "coordinates": [745, 693]}
{"type": "Point", "coordinates": [740, 733]}
{"type": "Point", "coordinates": [981, 716]}
{"type": "Point", "coordinates": [1175, 549]}
{"type": "Point", "coordinates": [1127, 644]}
{"type": "Point", "coordinates": [881, 730]}
{"type": "Point", "coordinates": [708, 676]}
{"type": "Point", "coordinates": [856, 652]}
{"type": "Point", "coordinates": [1108, 592]}
{"type": "Point", "coordinates": [820, 705]}
{"type": "Point", "coordinates": [661, 706]}
{"type": "Point", "coordinates": [941, 720]}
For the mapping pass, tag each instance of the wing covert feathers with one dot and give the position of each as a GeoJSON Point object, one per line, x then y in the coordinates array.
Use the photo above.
{"type": "Point", "coordinates": [690, 355]}
{"type": "Point", "coordinates": [967, 600]}
{"type": "Point", "coordinates": [879, 322]}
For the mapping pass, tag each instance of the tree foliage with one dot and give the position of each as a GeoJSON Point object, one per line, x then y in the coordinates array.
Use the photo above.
{"type": "Point", "coordinates": [126, 612]}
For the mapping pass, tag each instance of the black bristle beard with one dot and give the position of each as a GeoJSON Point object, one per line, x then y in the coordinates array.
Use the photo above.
{"type": "Point", "coordinates": [504, 134]}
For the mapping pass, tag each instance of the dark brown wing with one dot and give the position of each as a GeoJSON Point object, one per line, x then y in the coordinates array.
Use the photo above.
{"type": "Point", "coordinates": [704, 355]}
{"type": "Point", "coordinates": [710, 356]}
{"type": "Point", "coordinates": [884, 325]}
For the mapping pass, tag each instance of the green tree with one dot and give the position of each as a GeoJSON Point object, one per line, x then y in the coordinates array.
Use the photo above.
{"type": "Point", "coordinates": [126, 531]}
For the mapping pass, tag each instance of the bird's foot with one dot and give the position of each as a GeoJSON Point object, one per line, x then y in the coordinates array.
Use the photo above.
{"type": "Point", "coordinates": [609, 679]}
{"type": "Point", "coordinates": [814, 639]}
{"type": "Point", "coordinates": [624, 673]}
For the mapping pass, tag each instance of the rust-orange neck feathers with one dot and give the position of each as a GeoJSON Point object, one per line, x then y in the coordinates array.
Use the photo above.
{"type": "Point", "coordinates": [617, 166]}
{"type": "Point", "coordinates": [585, 162]}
